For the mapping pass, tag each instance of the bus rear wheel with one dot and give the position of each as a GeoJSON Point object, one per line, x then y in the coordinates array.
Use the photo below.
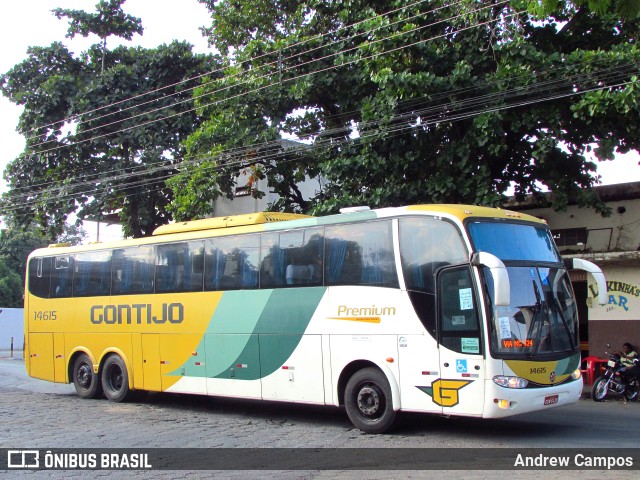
{"type": "Point", "coordinates": [85, 380]}
{"type": "Point", "coordinates": [115, 379]}
{"type": "Point", "coordinates": [367, 399]}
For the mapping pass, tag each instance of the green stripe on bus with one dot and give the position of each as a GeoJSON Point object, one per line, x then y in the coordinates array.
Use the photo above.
{"type": "Point", "coordinates": [288, 310]}
{"type": "Point", "coordinates": [246, 340]}
{"type": "Point", "coordinates": [568, 365]}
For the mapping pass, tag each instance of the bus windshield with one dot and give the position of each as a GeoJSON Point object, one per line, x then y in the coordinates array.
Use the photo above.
{"type": "Point", "coordinates": [542, 317]}
{"type": "Point", "coordinates": [514, 241]}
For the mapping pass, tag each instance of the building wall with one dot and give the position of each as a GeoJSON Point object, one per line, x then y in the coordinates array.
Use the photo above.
{"type": "Point", "coordinates": [247, 204]}
{"type": "Point", "coordinates": [618, 321]}
{"type": "Point", "coordinates": [11, 325]}
{"type": "Point", "coordinates": [619, 232]}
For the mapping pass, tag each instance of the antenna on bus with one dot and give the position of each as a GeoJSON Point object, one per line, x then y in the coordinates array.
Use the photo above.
{"type": "Point", "coordinates": [354, 209]}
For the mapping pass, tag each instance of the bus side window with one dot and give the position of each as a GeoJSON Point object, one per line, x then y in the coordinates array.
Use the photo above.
{"type": "Point", "coordinates": [176, 269]}
{"type": "Point", "coordinates": [426, 245]}
{"type": "Point", "coordinates": [293, 258]}
{"type": "Point", "coordinates": [459, 323]}
{"type": "Point", "coordinates": [231, 263]}
{"type": "Point", "coordinates": [92, 274]}
{"type": "Point", "coordinates": [272, 263]}
{"type": "Point", "coordinates": [62, 277]}
{"type": "Point", "coordinates": [40, 276]}
{"type": "Point", "coordinates": [132, 270]}
{"type": "Point", "coordinates": [360, 254]}
{"type": "Point", "coordinates": [194, 279]}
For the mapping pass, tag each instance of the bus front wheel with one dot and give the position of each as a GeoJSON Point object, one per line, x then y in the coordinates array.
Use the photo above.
{"type": "Point", "coordinates": [115, 379]}
{"type": "Point", "coordinates": [367, 399]}
{"type": "Point", "coordinates": [85, 380]}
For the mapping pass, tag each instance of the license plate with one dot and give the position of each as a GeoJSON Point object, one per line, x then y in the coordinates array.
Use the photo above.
{"type": "Point", "coordinates": [611, 363]}
{"type": "Point", "coordinates": [551, 399]}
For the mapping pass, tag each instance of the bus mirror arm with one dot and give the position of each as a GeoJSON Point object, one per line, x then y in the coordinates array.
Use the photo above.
{"type": "Point", "coordinates": [501, 285]}
{"type": "Point", "coordinates": [596, 273]}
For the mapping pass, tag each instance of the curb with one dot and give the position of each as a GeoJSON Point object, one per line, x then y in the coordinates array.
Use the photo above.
{"type": "Point", "coordinates": [9, 357]}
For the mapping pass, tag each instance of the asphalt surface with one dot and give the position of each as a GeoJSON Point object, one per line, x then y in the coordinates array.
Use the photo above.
{"type": "Point", "coordinates": [38, 414]}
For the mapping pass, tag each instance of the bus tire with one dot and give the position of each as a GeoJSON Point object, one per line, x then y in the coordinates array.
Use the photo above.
{"type": "Point", "coordinates": [367, 399]}
{"type": "Point", "coordinates": [115, 379]}
{"type": "Point", "coordinates": [85, 380]}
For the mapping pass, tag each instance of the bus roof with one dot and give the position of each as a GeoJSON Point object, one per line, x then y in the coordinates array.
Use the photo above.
{"type": "Point", "coordinates": [270, 221]}
{"type": "Point", "coordinates": [463, 212]}
{"type": "Point", "coordinates": [228, 221]}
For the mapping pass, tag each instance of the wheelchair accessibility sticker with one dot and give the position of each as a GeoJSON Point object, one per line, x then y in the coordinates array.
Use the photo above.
{"type": "Point", "coordinates": [461, 366]}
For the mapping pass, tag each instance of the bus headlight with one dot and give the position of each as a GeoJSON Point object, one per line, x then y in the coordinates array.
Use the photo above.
{"type": "Point", "coordinates": [510, 382]}
{"type": "Point", "coordinates": [576, 374]}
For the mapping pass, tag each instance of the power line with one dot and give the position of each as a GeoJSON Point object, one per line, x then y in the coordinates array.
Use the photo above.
{"type": "Point", "coordinates": [172, 167]}
{"type": "Point", "coordinates": [287, 80]}
{"type": "Point", "coordinates": [254, 79]}
{"type": "Point", "coordinates": [277, 83]}
{"type": "Point", "coordinates": [333, 142]}
{"type": "Point", "coordinates": [218, 70]}
{"type": "Point", "coordinates": [568, 81]}
{"type": "Point", "coordinates": [413, 102]}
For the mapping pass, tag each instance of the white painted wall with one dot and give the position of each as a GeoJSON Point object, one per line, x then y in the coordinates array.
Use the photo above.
{"type": "Point", "coordinates": [618, 233]}
{"type": "Point", "coordinates": [623, 295]}
{"type": "Point", "coordinates": [247, 204]}
{"type": "Point", "coordinates": [11, 325]}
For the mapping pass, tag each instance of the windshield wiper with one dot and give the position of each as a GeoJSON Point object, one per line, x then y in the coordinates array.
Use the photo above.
{"type": "Point", "coordinates": [538, 306]}
{"type": "Point", "coordinates": [556, 305]}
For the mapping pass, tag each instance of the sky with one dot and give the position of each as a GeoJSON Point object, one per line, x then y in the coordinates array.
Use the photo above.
{"type": "Point", "coordinates": [27, 23]}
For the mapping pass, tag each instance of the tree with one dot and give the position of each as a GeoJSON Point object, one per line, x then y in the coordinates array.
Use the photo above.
{"type": "Point", "coordinates": [11, 287]}
{"type": "Point", "coordinates": [100, 139]}
{"type": "Point", "coordinates": [110, 20]}
{"type": "Point", "coordinates": [434, 102]}
{"type": "Point", "coordinates": [16, 243]}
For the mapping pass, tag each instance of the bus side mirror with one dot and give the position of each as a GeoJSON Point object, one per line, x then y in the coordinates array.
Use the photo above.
{"type": "Point", "coordinates": [596, 273]}
{"type": "Point", "coordinates": [501, 285]}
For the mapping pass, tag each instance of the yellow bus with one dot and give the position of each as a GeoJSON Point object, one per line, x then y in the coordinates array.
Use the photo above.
{"type": "Point", "coordinates": [441, 309]}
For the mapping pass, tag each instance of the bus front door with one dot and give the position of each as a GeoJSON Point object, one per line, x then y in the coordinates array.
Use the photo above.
{"type": "Point", "coordinates": [460, 388]}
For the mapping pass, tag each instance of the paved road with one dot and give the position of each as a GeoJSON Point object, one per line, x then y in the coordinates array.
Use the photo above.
{"type": "Point", "coordinates": [38, 414]}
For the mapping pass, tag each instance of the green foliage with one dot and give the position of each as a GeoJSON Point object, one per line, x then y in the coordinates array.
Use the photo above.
{"type": "Point", "coordinates": [627, 9]}
{"type": "Point", "coordinates": [194, 191]}
{"type": "Point", "coordinates": [11, 287]}
{"type": "Point", "coordinates": [16, 243]}
{"type": "Point", "coordinates": [110, 20]}
{"type": "Point", "coordinates": [94, 146]}
{"type": "Point", "coordinates": [449, 105]}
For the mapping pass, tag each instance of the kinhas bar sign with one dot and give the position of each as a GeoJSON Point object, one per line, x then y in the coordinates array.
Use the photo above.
{"type": "Point", "coordinates": [619, 294]}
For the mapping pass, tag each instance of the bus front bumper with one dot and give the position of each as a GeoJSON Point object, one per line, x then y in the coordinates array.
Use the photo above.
{"type": "Point", "coordinates": [504, 402]}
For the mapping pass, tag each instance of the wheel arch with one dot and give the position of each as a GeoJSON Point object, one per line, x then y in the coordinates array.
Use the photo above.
{"type": "Point", "coordinates": [357, 365]}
